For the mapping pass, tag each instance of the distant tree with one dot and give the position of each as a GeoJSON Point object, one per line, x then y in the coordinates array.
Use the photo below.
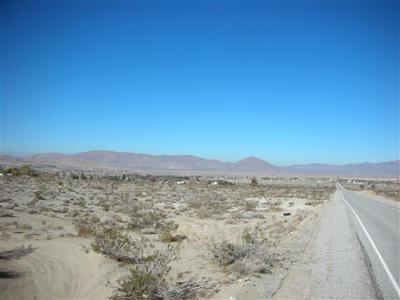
{"type": "Point", "coordinates": [254, 181]}
{"type": "Point", "coordinates": [24, 170]}
{"type": "Point", "coordinates": [74, 176]}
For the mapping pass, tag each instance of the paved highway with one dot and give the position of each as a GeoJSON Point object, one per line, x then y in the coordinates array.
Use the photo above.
{"type": "Point", "coordinates": [377, 224]}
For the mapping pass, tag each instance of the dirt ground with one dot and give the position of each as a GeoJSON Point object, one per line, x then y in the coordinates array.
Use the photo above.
{"type": "Point", "coordinates": [61, 216]}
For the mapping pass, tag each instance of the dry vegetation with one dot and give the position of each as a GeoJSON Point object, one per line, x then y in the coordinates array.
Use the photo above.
{"type": "Point", "coordinates": [173, 237]}
{"type": "Point", "coordinates": [386, 188]}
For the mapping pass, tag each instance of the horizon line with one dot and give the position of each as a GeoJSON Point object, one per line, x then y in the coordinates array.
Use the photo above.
{"type": "Point", "coordinates": [197, 156]}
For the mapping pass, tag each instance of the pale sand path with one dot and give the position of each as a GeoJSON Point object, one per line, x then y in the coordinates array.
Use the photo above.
{"type": "Point", "coordinates": [61, 269]}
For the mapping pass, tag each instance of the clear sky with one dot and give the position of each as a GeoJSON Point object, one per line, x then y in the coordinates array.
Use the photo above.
{"type": "Point", "coordinates": [289, 82]}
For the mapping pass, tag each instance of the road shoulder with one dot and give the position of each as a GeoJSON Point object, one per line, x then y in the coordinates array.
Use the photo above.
{"type": "Point", "coordinates": [333, 265]}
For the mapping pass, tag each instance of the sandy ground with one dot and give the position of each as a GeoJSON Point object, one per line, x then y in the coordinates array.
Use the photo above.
{"type": "Point", "coordinates": [64, 267]}
{"type": "Point", "coordinates": [61, 269]}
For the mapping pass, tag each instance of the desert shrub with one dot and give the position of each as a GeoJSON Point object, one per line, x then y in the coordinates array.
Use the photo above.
{"type": "Point", "coordinates": [250, 205]}
{"type": "Point", "coordinates": [94, 219]}
{"type": "Point", "coordinates": [37, 195]}
{"type": "Point", "coordinates": [220, 182]}
{"type": "Point", "coordinates": [117, 245]}
{"type": "Point", "coordinates": [225, 253]}
{"type": "Point", "coordinates": [140, 284]}
{"type": "Point", "coordinates": [236, 215]}
{"type": "Point", "coordinates": [247, 266]}
{"type": "Point", "coordinates": [17, 252]}
{"type": "Point", "coordinates": [208, 205]}
{"type": "Point", "coordinates": [273, 209]}
{"type": "Point", "coordinates": [80, 202]}
{"type": "Point", "coordinates": [24, 170]}
{"type": "Point", "coordinates": [254, 181]}
{"type": "Point", "coordinates": [388, 191]}
{"type": "Point", "coordinates": [168, 226]}
{"type": "Point", "coordinates": [25, 226]}
{"type": "Point", "coordinates": [254, 236]}
{"type": "Point", "coordinates": [251, 255]}
{"type": "Point", "coordinates": [299, 216]}
{"type": "Point", "coordinates": [141, 219]}
{"type": "Point", "coordinates": [149, 269]}
{"type": "Point", "coordinates": [85, 229]}
{"type": "Point", "coordinates": [313, 203]}
{"type": "Point", "coordinates": [204, 212]}
{"type": "Point", "coordinates": [167, 237]}
{"type": "Point", "coordinates": [299, 191]}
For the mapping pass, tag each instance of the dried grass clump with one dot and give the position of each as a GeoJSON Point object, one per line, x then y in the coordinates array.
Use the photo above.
{"type": "Point", "coordinates": [87, 226]}
{"type": "Point", "coordinates": [167, 237]}
{"type": "Point", "coordinates": [16, 253]}
{"type": "Point", "coordinates": [282, 227]}
{"type": "Point", "coordinates": [250, 255]}
{"type": "Point", "coordinates": [192, 289]}
{"type": "Point", "coordinates": [225, 253]}
{"type": "Point", "coordinates": [37, 195]}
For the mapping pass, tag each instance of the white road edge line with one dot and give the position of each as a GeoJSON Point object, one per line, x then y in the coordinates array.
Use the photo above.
{"type": "Point", "coordinates": [385, 267]}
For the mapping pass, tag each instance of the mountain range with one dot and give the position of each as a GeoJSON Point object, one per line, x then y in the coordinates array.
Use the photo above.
{"type": "Point", "coordinates": [137, 162]}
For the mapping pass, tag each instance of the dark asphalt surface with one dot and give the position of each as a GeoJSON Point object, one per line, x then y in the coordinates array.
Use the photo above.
{"type": "Point", "coordinates": [381, 220]}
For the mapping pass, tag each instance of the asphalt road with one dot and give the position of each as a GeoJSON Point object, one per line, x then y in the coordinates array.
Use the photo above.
{"type": "Point", "coordinates": [377, 224]}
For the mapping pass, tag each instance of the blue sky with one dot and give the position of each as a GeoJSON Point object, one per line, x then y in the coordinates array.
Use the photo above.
{"type": "Point", "coordinates": [287, 82]}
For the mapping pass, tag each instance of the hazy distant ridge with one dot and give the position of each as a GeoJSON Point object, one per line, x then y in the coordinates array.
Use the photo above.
{"type": "Point", "coordinates": [124, 161]}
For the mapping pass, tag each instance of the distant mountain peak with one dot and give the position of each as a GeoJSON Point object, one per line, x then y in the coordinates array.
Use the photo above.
{"type": "Point", "coordinates": [254, 164]}
{"type": "Point", "coordinates": [252, 159]}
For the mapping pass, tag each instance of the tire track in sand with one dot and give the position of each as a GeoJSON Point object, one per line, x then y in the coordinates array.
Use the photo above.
{"type": "Point", "coordinates": [60, 269]}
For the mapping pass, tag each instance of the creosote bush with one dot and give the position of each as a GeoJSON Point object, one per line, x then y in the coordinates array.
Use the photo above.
{"type": "Point", "coordinates": [149, 266]}
{"type": "Point", "coordinates": [117, 245]}
{"type": "Point", "coordinates": [148, 278]}
{"type": "Point", "coordinates": [141, 218]}
{"type": "Point", "coordinates": [140, 284]}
